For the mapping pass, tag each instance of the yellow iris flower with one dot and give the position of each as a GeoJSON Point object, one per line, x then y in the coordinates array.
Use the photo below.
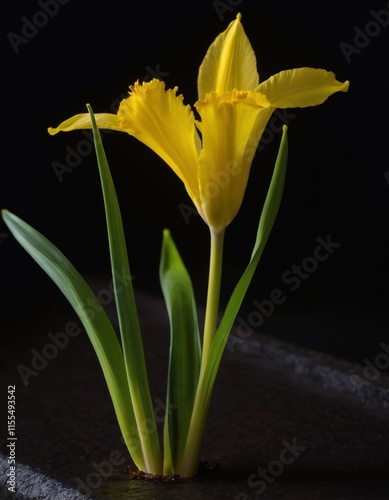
{"type": "Point", "coordinates": [213, 156]}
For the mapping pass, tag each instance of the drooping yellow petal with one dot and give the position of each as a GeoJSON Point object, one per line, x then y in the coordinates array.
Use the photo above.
{"type": "Point", "coordinates": [159, 119]}
{"type": "Point", "coordinates": [229, 63]}
{"type": "Point", "coordinates": [232, 124]}
{"type": "Point", "coordinates": [301, 87]}
{"type": "Point", "coordinates": [82, 121]}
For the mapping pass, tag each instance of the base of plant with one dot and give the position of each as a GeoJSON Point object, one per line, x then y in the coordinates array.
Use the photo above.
{"type": "Point", "coordinates": [206, 471]}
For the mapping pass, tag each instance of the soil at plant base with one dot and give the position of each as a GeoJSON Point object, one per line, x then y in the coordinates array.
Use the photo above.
{"type": "Point", "coordinates": [284, 422]}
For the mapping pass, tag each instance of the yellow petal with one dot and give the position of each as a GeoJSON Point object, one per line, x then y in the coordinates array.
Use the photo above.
{"type": "Point", "coordinates": [229, 63]}
{"type": "Point", "coordinates": [232, 124]}
{"type": "Point", "coordinates": [82, 121]}
{"type": "Point", "coordinates": [298, 88]}
{"type": "Point", "coordinates": [159, 119]}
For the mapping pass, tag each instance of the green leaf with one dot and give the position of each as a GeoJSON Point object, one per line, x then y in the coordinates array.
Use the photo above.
{"type": "Point", "coordinates": [97, 325]}
{"type": "Point", "coordinates": [268, 217]}
{"type": "Point", "coordinates": [209, 372]}
{"type": "Point", "coordinates": [127, 314]}
{"type": "Point", "coordinates": [184, 361]}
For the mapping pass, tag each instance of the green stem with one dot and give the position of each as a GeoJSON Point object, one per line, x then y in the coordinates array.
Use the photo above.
{"type": "Point", "coordinates": [213, 294]}
{"type": "Point", "coordinates": [188, 462]}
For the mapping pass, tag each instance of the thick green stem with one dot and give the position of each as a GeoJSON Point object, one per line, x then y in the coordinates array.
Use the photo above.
{"type": "Point", "coordinates": [214, 281]}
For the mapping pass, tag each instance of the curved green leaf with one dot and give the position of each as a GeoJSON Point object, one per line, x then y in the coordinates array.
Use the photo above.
{"type": "Point", "coordinates": [184, 360]}
{"type": "Point", "coordinates": [266, 222]}
{"type": "Point", "coordinates": [188, 461]}
{"type": "Point", "coordinates": [127, 314]}
{"type": "Point", "coordinates": [97, 326]}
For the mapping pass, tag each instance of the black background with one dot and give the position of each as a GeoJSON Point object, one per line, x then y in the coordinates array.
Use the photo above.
{"type": "Point", "coordinates": [336, 183]}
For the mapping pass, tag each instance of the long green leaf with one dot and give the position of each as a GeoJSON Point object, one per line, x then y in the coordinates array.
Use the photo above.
{"type": "Point", "coordinates": [208, 373]}
{"type": "Point", "coordinates": [266, 222]}
{"type": "Point", "coordinates": [127, 314]}
{"type": "Point", "coordinates": [184, 360]}
{"type": "Point", "coordinates": [97, 325]}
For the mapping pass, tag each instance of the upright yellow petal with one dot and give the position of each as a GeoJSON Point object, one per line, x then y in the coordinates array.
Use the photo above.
{"type": "Point", "coordinates": [82, 121]}
{"type": "Point", "coordinates": [159, 119]}
{"type": "Point", "coordinates": [229, 63]}
{"type": "Point", "coordinates": [232, 124]}
{"type": "Point", "coordinates": [298, 88]}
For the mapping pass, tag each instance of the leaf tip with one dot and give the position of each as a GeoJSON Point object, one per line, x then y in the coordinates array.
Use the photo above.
{"type": "Point", "coordinates": [4, 213]}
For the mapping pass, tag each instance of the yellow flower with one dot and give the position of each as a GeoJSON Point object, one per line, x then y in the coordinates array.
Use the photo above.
{"type": "Point", "coordinates": [213, 156]}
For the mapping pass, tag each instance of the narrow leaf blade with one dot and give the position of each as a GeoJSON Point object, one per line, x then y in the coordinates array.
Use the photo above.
{"type": "Point", "coordinates": [127, 312]}
{"type": "Point", "coordinates": [184, 361]}
{"type": "Point", "coordinates": [97, 326]}
{"type": "Point", "coordinates": [208, 375]}
{"type": "Point", "coordinates": [266, 222]}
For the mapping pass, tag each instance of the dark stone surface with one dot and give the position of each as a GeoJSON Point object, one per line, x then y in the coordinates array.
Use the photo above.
{"type": "Point", "coordinates": [269, 395]}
